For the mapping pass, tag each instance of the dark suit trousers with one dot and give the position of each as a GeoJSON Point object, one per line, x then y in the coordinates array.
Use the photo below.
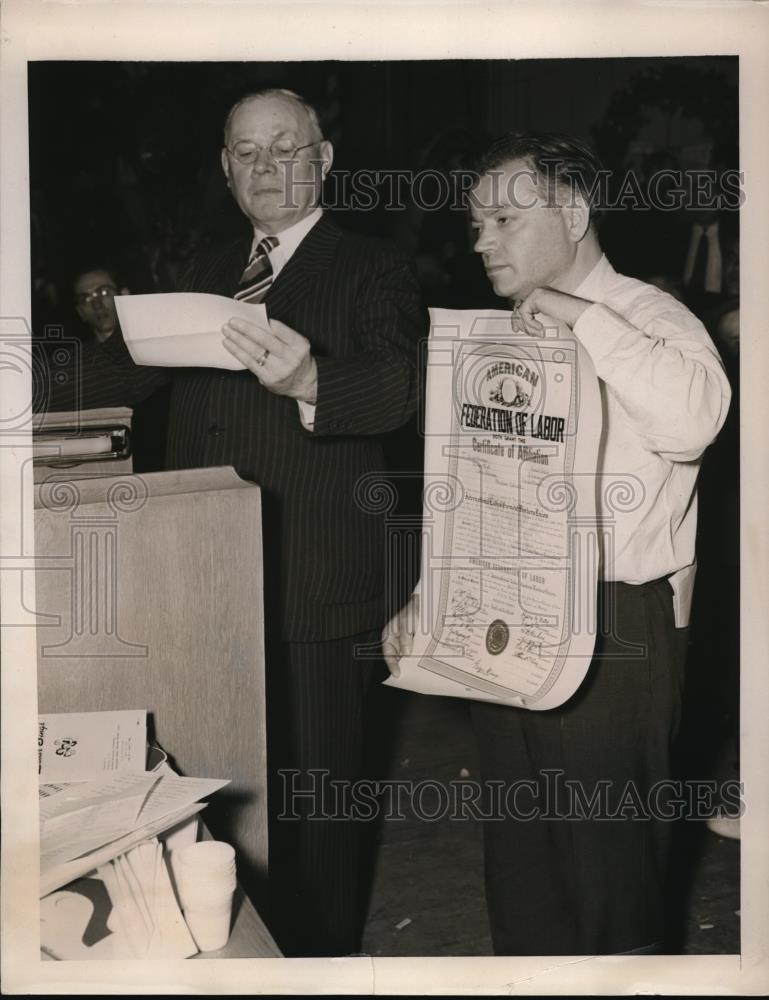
{"type": "Point", "coordinates": [560, 885]}
{"type": "Point", "coordinates": [319, 699]}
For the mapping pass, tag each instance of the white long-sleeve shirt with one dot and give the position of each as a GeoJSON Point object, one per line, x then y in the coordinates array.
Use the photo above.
{"type": "Point", "coordinates": [665, 397]}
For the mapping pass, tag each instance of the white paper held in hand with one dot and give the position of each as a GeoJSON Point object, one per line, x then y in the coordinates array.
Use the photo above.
{"type": "Point", "coordinates": [183, 329]}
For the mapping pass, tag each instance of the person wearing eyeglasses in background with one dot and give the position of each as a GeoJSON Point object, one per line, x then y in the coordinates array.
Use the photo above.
{"type": "Point", "coordinates": [334, 369]}
{"type": "Point", "coordinates": [94, 289]}
{"type": "Point", "coordinates": [94, 292]}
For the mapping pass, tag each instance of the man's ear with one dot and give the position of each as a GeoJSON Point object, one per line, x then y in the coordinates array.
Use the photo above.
{"type": "Point", "coordinates": [576, 216]}
{"type": "Point", "coordinates": [326, 156]}
{"type": "Point", "coordinates": [226, 166]}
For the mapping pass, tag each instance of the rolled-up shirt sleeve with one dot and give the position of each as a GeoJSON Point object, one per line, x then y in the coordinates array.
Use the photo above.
{"type": "Point", "coordinates": [661, 367]}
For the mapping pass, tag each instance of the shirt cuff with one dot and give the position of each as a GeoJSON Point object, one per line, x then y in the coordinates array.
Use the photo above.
{"type": "Point", "coordinates": [307, 414]}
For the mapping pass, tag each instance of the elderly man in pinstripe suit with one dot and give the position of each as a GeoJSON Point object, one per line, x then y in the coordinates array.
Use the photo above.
{"type": "Point", "coordinates": [334, 370]}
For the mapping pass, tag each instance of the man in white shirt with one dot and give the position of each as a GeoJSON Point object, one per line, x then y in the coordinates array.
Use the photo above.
{"type": "Point", "coordinates": [578, 882]}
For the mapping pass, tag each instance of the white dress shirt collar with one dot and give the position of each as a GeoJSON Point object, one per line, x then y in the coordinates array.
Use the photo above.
{"type": "Point", "coordinates": [288, 240]}
{"type": "Point", "coordinates": [592, 285]}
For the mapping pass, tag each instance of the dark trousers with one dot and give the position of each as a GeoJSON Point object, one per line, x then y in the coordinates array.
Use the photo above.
{"type": "Point", "coordinates": [318, 701]}
{"type": "Point", "coordinates": [558, 884]}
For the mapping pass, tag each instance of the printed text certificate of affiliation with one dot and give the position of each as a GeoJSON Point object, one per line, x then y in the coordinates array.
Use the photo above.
{"type": "Point", "coordinates": [510, 536]}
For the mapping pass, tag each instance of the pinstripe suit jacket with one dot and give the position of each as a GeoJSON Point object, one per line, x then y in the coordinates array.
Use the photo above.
{"type": "Point", "coordinates": [358, 303]}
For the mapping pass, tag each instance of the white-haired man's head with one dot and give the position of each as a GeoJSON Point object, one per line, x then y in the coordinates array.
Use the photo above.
{"type": "Point", "coordinates": [275, 158]}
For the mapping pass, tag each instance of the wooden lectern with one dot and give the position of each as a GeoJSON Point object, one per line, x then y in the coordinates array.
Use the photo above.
{"type": "Point", "coordinates": [149, 595]}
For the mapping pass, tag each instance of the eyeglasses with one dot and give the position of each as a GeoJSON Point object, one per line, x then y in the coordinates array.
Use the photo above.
{"type": "Point", "coordinates": [102, 292]}
{"type": "Point", "coordinates": [247, 152]}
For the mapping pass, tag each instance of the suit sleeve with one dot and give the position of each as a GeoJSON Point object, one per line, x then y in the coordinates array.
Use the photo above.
{"type": "Point", "coordinates": [95, 375]}
{"type": "Point", "coordinates": [375, 390]}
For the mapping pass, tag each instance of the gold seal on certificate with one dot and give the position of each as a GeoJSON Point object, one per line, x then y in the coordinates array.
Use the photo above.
{"type": "Point", "coordinates": [510, 537]}
{"type": "Point", "coordinates": [497, 637]}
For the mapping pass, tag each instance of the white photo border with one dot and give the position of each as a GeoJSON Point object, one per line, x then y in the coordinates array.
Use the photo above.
{"type": "Point", "coordinates": [205, 30]}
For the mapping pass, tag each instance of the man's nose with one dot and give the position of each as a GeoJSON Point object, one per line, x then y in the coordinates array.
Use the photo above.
{"type": "Point", "coordinates": [483, 241]}
{"type": "Point", "coordinates": [264, 162]}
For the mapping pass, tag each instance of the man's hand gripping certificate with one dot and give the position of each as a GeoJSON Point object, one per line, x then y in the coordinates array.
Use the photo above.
{"type": "Point", "coordinates": [506, 606]}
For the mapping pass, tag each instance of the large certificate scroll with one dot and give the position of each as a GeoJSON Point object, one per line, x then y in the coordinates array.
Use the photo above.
{"type": "Point", "coordinates": [510, 539]}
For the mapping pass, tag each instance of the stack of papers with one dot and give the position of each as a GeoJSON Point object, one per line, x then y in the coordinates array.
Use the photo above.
{"type": "Point", "coordinates": [97, 801]}
{"type": "Point", "coordinates": [85, 824]}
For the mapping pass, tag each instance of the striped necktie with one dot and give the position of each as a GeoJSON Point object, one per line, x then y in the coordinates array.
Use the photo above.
{"type": "Point", "coordinates": [257, 277]}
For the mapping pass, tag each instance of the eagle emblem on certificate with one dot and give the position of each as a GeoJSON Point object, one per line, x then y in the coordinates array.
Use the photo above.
{"type": "Point", "coordinates": [510, 538]}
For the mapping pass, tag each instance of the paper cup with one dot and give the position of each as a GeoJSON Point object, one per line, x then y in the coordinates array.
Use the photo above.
{"type": "Point", "coordinates": [206, 880]}
{"type": "Point", "coordinates": [204, 870]}
{"type": "Point", "coordinates": [210, 925]}
{"type": "Point", "coordinates": [194, 896]}
{"type": "Point", "coordinates": [208, 855]}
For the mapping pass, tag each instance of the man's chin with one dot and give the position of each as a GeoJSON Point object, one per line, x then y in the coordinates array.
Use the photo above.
{"type": "Point", "coordinates": [270, 204]}
{"type": "Point", "coordinates": [272, 214]}
{"type": "Point", "coordinates": [505, 289]}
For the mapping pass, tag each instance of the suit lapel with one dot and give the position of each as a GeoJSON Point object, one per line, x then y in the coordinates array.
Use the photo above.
{"type": "Point", "coordinates": [240, 255]}
{"type": "Point", "coordinates": [220, 272]}
{"type": "Point", "coordinates": [312, 256]}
